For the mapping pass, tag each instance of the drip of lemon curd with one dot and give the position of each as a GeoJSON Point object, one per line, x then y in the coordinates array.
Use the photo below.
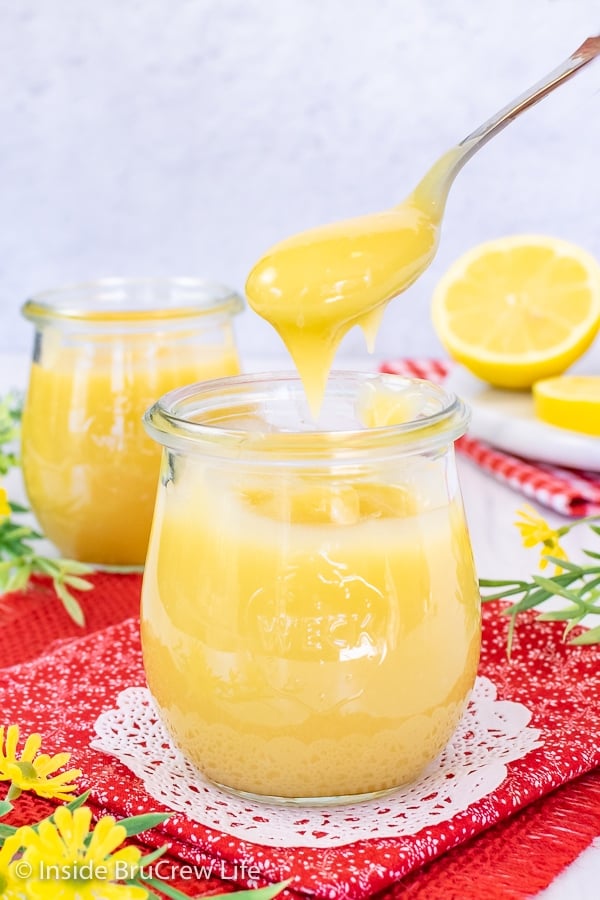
{"type": "Point", "coordinates": [379, 405]}
{"type": "Point", "coordinates": [317, 285]}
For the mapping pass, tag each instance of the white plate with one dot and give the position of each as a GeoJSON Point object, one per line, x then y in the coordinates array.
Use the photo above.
{"type": "Point", "coordinates": [505, 419]}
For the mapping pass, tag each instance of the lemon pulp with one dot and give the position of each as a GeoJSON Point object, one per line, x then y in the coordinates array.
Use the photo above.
{"type": "Point", "coordinates": [518, 309]}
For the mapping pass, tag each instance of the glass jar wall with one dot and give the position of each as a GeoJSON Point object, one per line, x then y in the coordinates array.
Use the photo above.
{"type": "Point", "coordinates": [103, 352]}
{"type": "Point", "coordinates": [310, 611]}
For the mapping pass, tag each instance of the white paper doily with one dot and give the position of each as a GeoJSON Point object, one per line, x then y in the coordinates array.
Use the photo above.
{"type": "Point", "coordinates": [490, 734]}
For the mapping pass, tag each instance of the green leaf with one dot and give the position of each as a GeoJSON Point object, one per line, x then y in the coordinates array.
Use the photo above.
{"type": "Point", "coordinates": [14, 548]}
{"type": "Point", "coordinates": [160, 886]}
{"type": "Point", "coordinates": [149, 858]}
{"type": "Point", "coordinates": [264, 893]}
{"type": "Point", "coordinates": [79, 584]}
{"type": "Point", "coordinates": [550, 585]}
{"type": "Point", "coordinates": [488, 598]}
{"type": "Point", "coordinates": [19, 579]}
{"type": "Point", "coordinates": [5, 807]}
{"type": "Point", "coordinates": [503, 594]}
{"type": "Point", "coordinates": [531, 599]}
{"type": "Point", "coordinates": [590, 585]}
{"type": "Point", "coordinates": [69, 602]}
{"type": "Point", "coordinates": [14, 792]}
{"type": "Point", "coordinates": [558, 615]}
{"type": "Point", "coordinates": [6, 831]}
{"type": "Point", "coordinates": [590, 636]}
{"type": "Point", "coordinates": [565, 564]}
{"type": "Point", "coordinates": [16, 532]}
{"type": "Point", "coordinates": [136, 824]}
{"type": "Point", "coordinates": [76, 802]}
{"type": "Point", "coordinates": [486, 582]}
{"type": "Point", "coordinates": [47, 566]}
{"type": "Point", "coordinates": [573, 623]}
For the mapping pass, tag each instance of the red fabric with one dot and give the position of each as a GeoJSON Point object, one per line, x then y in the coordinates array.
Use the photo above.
{"type": "Point", "coordinates": [62, 692]}
{"type": "Point", "coordinates": [517, 858]}
{"type": "Point", "coordinates": [31, 620]}
{"type": "Point", "coordinates": [571, 492]}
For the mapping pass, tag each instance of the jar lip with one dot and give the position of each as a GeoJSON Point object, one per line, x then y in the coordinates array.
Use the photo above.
{"type": "Point", "coordinates": [132, 299]}
{"type": "Point", "coordinates": [175, 421]}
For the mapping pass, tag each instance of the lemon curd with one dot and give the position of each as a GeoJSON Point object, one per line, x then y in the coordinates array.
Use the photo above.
{"type": "Point", "coordinates": [310, 613]}
{"type": "Point", "coordinates": [317, 285]}
{"type": "Point", "coordinates": [90, 470]}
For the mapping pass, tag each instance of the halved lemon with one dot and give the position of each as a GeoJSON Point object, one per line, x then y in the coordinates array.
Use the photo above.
{"type": "Point", "coordinates": [569, 401]}
{"type": "Point", "coordinates": [518, 309]}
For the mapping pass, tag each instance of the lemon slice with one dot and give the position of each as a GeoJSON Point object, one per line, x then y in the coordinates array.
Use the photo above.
{"type": "Point", "coordinates": [569, 401]}
{"type": "Point", "coordinates": [518, 309]}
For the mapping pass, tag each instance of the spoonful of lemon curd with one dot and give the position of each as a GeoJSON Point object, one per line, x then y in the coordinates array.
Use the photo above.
{"type": "Point", "coordinates": [317, 285]}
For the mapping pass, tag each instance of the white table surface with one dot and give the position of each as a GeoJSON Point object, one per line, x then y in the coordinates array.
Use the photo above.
{"type": "Point", "coordinates": [490, 509]}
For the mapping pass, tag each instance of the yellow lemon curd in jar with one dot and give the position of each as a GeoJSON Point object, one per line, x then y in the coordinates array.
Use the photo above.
{"type": "Point", "coordinates": [307, 637]}
{"type": "Point", "coordinates": [90, 470]}
{"type": "Point", "coordinates": [311, 636]}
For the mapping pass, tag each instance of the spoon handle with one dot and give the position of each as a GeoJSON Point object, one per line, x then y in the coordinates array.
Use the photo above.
{"type": "Point", "coordinates": [433, 188]}
{"type": "Point", "coordinates": [588, 51]}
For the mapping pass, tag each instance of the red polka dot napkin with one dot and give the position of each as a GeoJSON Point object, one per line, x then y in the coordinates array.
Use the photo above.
{"type": "Point", "coordinates": [63, 692]}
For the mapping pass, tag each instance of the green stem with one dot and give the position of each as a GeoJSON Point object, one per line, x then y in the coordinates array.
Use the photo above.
{"type": "Point", "coordinates": [585, 520]}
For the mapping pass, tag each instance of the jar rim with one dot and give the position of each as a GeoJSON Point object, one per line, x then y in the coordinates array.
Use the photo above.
{"type": "Point", "coordinates": [181, 420]}
{"type": "Point", "coordinates": [132, 299]}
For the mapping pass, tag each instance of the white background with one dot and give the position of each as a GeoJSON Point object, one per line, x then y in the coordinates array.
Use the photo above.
{"type": "Point", "coordinates": [186, 136]}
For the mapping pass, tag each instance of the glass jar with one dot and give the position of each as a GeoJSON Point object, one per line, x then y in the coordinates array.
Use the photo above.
{"type": "Point", "coordinates": [310, 611]}
{"type": "Point", "coordinates": [103, 352]}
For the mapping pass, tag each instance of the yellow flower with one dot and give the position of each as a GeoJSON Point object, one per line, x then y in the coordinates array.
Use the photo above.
{"type": "Point", "coordinates": [33, 772]}
{"type": "Point", "coordinates": [10, 886]}
{"type": "Point", "coordinates": [535, 530]}
{"type": "Point", "coordinates": [68, 862]}
{"type": "Point", "coordinates": [4, 507]}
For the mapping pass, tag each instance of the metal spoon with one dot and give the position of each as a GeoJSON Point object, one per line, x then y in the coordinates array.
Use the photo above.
{"type": "Point", "coordinates": [436, 183]}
